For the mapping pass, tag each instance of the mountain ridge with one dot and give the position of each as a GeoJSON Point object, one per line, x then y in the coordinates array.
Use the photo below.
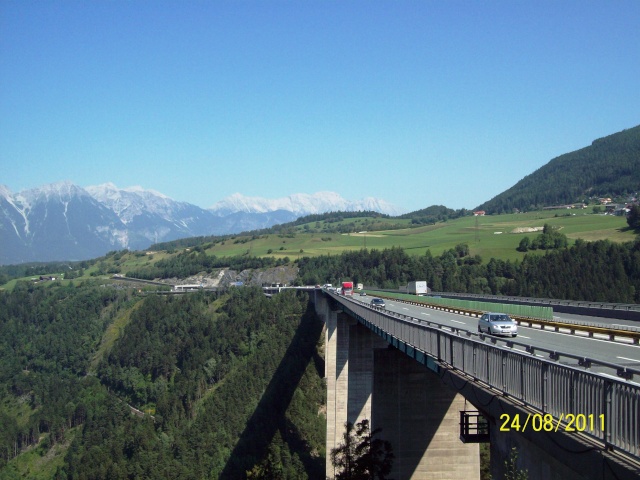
{"type": "Point", "coordinates": [63, 221]}
{"type": "Point", "coordinates": [301, 204]}
{"type": "Point", "coordinates": [609, 167]}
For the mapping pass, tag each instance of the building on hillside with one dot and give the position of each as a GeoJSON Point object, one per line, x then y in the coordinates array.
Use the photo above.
{"type": "Point", "coordinates": [187, 288]}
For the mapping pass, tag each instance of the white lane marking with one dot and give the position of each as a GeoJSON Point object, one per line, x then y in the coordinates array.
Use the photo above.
{"type": "Point", "coordinates": [581, 337]}
{"type": "Point", "coordinates": [456, 321]}
{"type": "Point", "coordinates": [405, 308]}
{"type": "Point", "coordinates": [609, 342]}
{"type": "Point", "coordinates": [630, 359]}
{"type": "Point", "coordinates": [423, 313]}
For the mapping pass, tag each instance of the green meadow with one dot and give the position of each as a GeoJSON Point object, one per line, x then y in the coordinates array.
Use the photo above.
{"type": "Point", "coordinates": [487, 236]}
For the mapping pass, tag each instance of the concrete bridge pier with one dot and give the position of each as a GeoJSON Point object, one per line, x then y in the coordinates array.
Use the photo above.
{"type": "Point", "coordinates": [418, 414]}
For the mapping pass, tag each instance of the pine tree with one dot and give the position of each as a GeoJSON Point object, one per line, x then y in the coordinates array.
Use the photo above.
{"type": "Point", "coordinates": [361, 456]}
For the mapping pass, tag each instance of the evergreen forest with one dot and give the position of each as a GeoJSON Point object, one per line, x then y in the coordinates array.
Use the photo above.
{"type": "Point", "coordinates": [597, 271]}
{"type": "Point", "coordinates": [609, 167]}
{"type": "Point", "coordinates": [601, 271]}
{"type": "Point", "coordinates": [99, 380]}
{"type": "Point", "coordinates": [105, 383]}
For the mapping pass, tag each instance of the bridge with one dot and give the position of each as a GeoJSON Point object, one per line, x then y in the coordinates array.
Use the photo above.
{"type": "Point", "coordinates": [436, 387]}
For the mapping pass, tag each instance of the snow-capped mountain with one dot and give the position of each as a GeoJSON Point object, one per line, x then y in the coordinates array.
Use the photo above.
{"type": "Point", "coordinates": [62, 221]}
{"type": "Point", "coordinates": [130, 202]}
{"type": "Point", "coordinates": [153, 217]}
{"type": "Point", "coordinates": [301, 204]}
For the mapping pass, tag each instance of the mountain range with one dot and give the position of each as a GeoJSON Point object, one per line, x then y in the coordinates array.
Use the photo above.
{"type": "Point", "coordinates": [62, 221]}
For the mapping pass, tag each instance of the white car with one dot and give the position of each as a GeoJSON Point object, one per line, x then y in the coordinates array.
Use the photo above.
{"type": "Point", "coordinates": [497, 324]}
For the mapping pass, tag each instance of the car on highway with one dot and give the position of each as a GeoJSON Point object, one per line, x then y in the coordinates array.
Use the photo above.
{"type": "Point", "coordinates": [377, 303]}
{"type": "Point", "coordinates": [497, 324]}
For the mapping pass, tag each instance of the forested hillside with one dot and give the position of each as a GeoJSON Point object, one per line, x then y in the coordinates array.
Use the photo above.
{"type": "Point", "coordinates": [229, 385]}
{"type": "Point", "coordinates": [609, 167]}
{"type": "Point", "coordinates": [596, 271]}
{"type": "Point", "coordinates": [433, 214]}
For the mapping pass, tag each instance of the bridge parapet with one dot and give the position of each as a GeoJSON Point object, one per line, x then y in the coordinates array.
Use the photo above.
{"type": "Point", "coordinates": [610, 407]}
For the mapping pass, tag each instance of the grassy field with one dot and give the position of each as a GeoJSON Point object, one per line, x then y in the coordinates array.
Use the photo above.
{"type": "Point", "coordinates": [489, 236]}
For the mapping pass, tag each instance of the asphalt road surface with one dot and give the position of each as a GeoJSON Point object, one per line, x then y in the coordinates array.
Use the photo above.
{"type": "Point", "coordinates": [622, 354]}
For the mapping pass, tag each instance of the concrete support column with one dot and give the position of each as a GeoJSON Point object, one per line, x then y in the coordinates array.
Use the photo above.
{"type": "Point", "coordinates": [420, 416]}
{"type": "Point", "coordinates": [349, 360]}
{"type": "Point", "coordinates": [362, 345]}
{"type": "Point", "coordinates": [337, 366]}
{"type": "Point", "coordinates": [417, 413]}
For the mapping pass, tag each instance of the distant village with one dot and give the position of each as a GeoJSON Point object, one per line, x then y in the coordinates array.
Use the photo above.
{"type": "Point", "coordinates": [610, 208]}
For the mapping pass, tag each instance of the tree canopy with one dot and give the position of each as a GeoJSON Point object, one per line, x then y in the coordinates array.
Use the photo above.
{"type": "Point", "coordinates": [362, 456]}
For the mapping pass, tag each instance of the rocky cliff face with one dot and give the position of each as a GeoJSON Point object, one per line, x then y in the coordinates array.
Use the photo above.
{"type": "Point", "coordinates": [284, 275]}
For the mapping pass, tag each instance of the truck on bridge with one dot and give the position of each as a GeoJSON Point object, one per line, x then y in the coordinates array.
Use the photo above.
{"type": "Point", "coordinates": [417, 287]}
{"type": "Point", "coordinates": [347, 288]}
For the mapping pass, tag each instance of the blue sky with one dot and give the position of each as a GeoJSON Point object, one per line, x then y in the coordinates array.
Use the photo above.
{"type": "Point", "coordinates": [415, 102]}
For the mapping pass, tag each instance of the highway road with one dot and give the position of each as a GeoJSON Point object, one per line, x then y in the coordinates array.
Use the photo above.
{"type": "Point", "coordinates": [625, 355]}
{"type": "Point", "coordinates": [597, 321]}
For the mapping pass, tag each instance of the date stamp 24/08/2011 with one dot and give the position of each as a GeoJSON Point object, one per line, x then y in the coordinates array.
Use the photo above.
{"type": "Point", "coordinates": [567, 422]}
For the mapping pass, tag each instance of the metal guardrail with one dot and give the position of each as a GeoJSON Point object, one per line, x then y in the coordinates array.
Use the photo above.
{"type": "Point", "coordinates": [628, 311]}
{"type": "Point", "coordinates": [573, 327]}
{"type": "Point", "coordinates": [604, 408]}
{"type": "Point", "coordinates": [530, 311]}
{"type": "Point", "coordinates": [625, 307]}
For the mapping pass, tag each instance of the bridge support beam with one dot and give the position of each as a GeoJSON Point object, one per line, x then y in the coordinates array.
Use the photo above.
{"type": "Point", "coordinates": [349, 371]}
{"type": "Point", "coordinates": [552, 455]}
{"type": "Point", "coordinates": [536, 462]}
{"type": "Point", "coordinates": [418, 414]}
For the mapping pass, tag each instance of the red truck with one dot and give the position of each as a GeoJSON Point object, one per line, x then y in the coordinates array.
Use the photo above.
{"type": "Point", "coordinates": [347, 288]}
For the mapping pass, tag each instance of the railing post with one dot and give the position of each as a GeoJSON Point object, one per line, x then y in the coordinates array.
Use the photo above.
{"type": "Point", "coordinates": [451, 359]}
{"type": "Point", "coordinates": [545, 370]}
{"type": "Point", "coordinates": [475, 368]}
{"type": "Point", "coordinates": [572, 393]}
{"type": "Point", "coordinates": [522, 388]}
{"type": "Point", "coordinates": [608, 412]}
{"type": "Point", "coordinates": [488, 368]}
{"type": "Point", "coordinates": [503, 371]}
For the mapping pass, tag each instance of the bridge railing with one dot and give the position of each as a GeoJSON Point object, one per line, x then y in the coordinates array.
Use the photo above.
{"type": "Point", "coordinates": [600, 406]}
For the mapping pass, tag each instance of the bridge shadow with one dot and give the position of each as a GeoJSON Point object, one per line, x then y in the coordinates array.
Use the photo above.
{"type": "Point", "coordinates": [269, 418]}
{"type": "Point", "coordinates": [410, 403]}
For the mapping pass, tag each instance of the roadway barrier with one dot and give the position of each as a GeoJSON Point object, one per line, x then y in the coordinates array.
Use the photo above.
{"type": "Point", "coordinates": [526, 317]}
{"type": "Point", "coordinates": [475, 305]}
{"type": "Point", "coordinates": [623, 311]}
{"type": "Point", "coordinates": [598, 406]}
